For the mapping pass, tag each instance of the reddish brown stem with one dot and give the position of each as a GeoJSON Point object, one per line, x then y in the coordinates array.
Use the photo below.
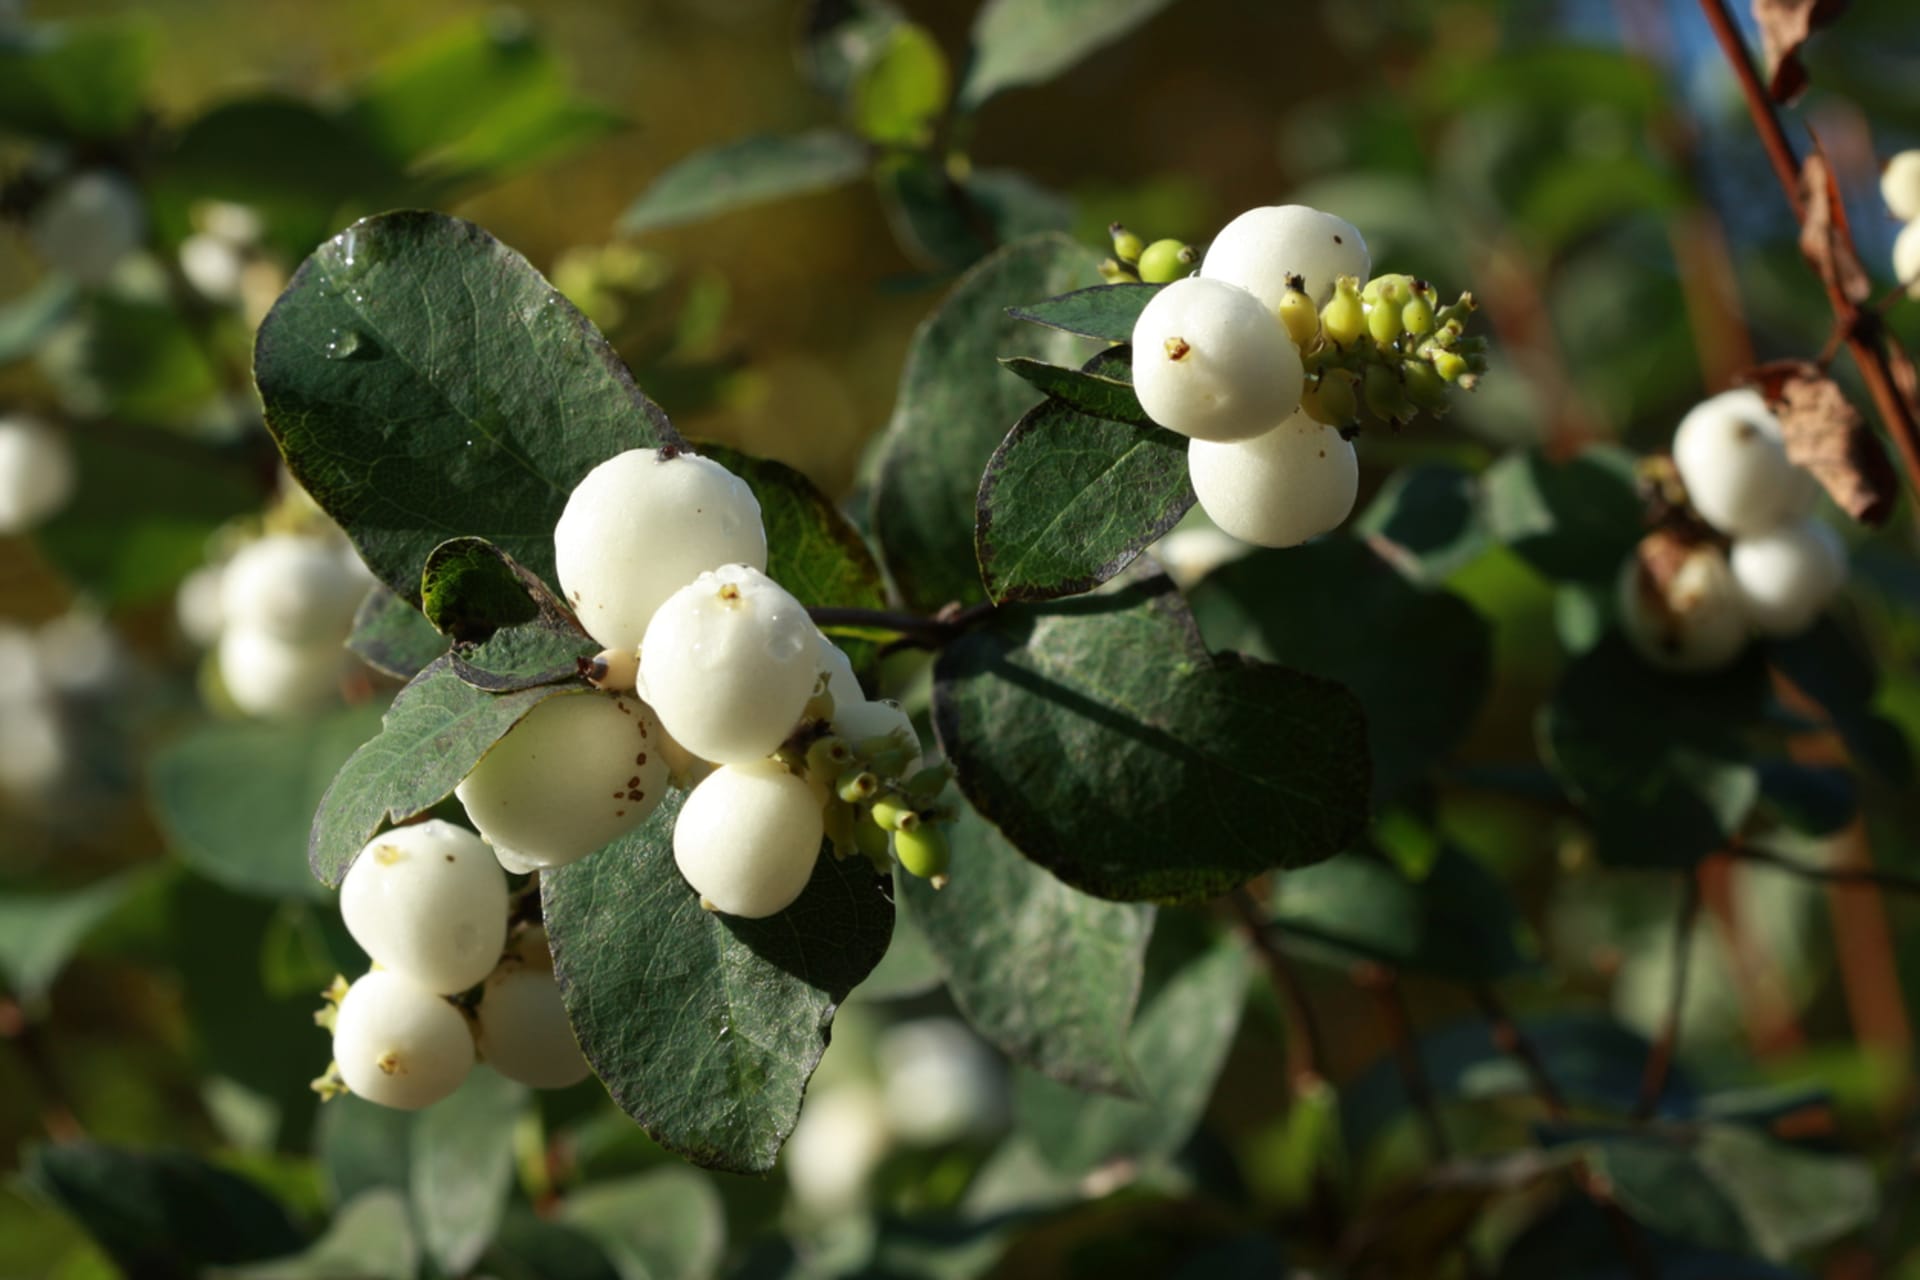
{"type": "Point", "coordinates": [1510, 1040]}
{"type": "Point", "coordinates": [1306, 1050]}
{"type": "Point", "coordinates": [1653, 1081]}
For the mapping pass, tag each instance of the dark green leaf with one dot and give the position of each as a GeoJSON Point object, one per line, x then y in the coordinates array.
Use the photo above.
{"type": "Point", "coordinates": [144, 362]}
{"type": "Point", "coordinates": [27, 320]}
{"type": "Point", "coordinates": [363, 1147]}
{"type": "Point", "coordinates": [39, 932]}
{"type": "Point", "coordinates": [392, 636]}
{"type": "Point", "coordinates": [1021, 42]}
{"type": "Point", "coordinates": [931, 213]}
{"type": "Point", "coordinates": [705, 1027]}
{"type": "Point", "coordinates": [461, 1167]}
{"type": "Point", "coordinates": [1833, 668]}
{"type": "Point", "coordinates": [425, 383]}
{"type": "Point", "coordinates": [434, 733]}
{"type": "Point", "coordinates": [529, 1247]}
{"type": "Point", "coordinates": [668, 1222]}
{"type": "Point", "coordinates": [1456, 922]}
{"type": "Point", "coordinates": [162, 1214]}
{"type": "Point", "coordinates": [1815, 800]}
{"type": "Point", "coordinates": [1575, 1240]}
{"type": "Point", "coordinates": [236, 800]}
{"type": "Point", "coordinates": [80, 80]}
{"type": "Point", "coordinates": [954, 407]}
{"type": "Point", "coordinates": [371, 1238]}
{"type": "Point", "coordinates": [748, 172]}
{"type": "Point", "coordinates": [1189, 1011]}
{"type": "Point", "coordinates": [1045, 972]}
{"type": "Point", "coordinates": [841, 38]}
{"type": "Point", "coordinates": [901, 90]}
{"type": "Point", "coordinates": [510, 632]}
{"type": "Point", "coordinates": [1429, 516]}
{"type": "Point", "coordinates": [1110, 748]}
{"type": "Point", "coordinates": [1324, 608]}
{"type": "Point", "coordinates": [1106, 311]}
{"type": "Point", "coordinates": [1103, 388]}
{"type": "Point", "coordinates": [1575, 519]}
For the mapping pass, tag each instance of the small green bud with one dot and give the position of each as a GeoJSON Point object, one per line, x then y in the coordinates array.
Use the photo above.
{"type": "Point", "coordinates": [1126, 245]}
{"type": "Point", "coordinates": [1113, 273]}
{"type": "Point", "coordinates": [1344, 319]}
{"type": "Point", "coordinates": [1330, 400]}
{"type": "Point", "coordinates": [924, 852]}
{"type": "Point", "coordinates": [891, 815]}
{"type": "Point", "coordinates": [856, 785]}
{"type": "Point", "coordinates": [1166, 260]}
{"type": "Point", "coordinates": [1449, 365]}
{"type": "Point", "coordinates": [1298, 314]}
{"type": "Point", "coordinates": [828, 757]}
{"type": "Point", "coordinates": [1425, 387]}
{"type": "Point", "coordinates": [1383, 322]}
{"type": "Point", "coordinates": [1386, 394]}
{"type": "Point", "coordinates": [1417, 316]}
{"type": "Point", "coordinates": [1393, 289]}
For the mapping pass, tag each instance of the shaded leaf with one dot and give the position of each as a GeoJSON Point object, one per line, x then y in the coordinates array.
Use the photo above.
{"type": "Point", "coordinates": [1103, 387]}
{"type": "Point", "coordinates": [425, 383]}
{"type": "Point", "coordinates": [706, 1027]}
{"type": "Point", "coordinates": [371, 1238]}
{"type": "Point", "coordinates": [39, 932]}
{"type": "Point", "coordinates": [529, 1247]}
{"type": "Point", "coordinates": [1826, 435]}
{"type": "Point", "coordinates": [1043, 971]}
{"type": "Point", "coordinates": [748, 172]}
{"type": "Point", "coordinates": [1021, 42]}
{"type": "Point", "coordinates": [1834, 669]}
{"type": "Point", "coordinates": [460, 1168]}
{"type": "Point", "coordinates": [392, 636]}
{"type": "Point", "coordinates": [86, 80]}
{"type": "Point", "coordinates": [1575, 519]}
{"type": "Point", "coordinates": [839, 39]}
{"type": "Point", "coordinates": [1104, 741]}
{"type": "Point", "coordinates": [1785, 25]}
{"type": "Point", "coordinates": [667, 1222]}
{"type": "Point", "coordinates": [1106, 311]}
{"type": "Point", "coordinates": [363, 1147]}
{"type": "Point", "coordinates": [27, 320]}
{"type": "Point", "coordinates": [510, 631]}
{"type": "Point", "coordinates": [1426, 520]}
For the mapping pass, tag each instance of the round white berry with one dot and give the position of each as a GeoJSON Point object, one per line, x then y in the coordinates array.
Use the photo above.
{"type": "Point", "coordinates": [747, 838]}
{"type": "Point", "coordinates": [428, 901]}
{"type": "Point", "coordinates": [1697, 623]}
{"type": "Point", "coordinates": [1189, 555]}
{"type": "Point", "coordinates": [576, 773]}
{"type": "Point", "coordinates": [1787, 576]}
{"type": "Point", "coordinates": [729, 663]}
{"type": "Point", "coordinates": [275, 678]}
{"type": "Point", "coordinates": [196, 605]}
{"type": "Point", "coordinates": [642, 525]}
{"type": "Point", "coordinates": [842, 684]}
{"type": "Point", "coordinates": [840, 1137]}
{"type": "Point", "coordinates": [298, 589]}
{"type": "Point", "coordinates": [1277, 490]}
{"type": "Point", "coordinates": [212, 265]}
{"type": "Point", "coordinates": [941, 1083]}
{"type": "Point", "coordinates": [88, 224]}
{"type": "Point", "coordinates": [35, 747]}
{"type": "Point", "coordinates": [36, 473]}
{"type": "Point", "coordinates": [871, 728]}
{"type": "Point", "coordinates": [1259, 249]}
{"type": "Point", "coordinates": [1210, 362]}
{"type": "Point", "coordinates": [1900, 185]}
{"type": "Point", "coordinates": [1906, 257]}
{"type": "Point", "coordinates": [1731, 456]}
{"type": "Point", "coordinates": [398, 1044]}
{"type": "Point", "coordinates": [521, 1022]}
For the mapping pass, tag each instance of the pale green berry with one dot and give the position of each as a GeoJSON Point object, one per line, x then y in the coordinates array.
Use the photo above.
{"type": "Point", "coordinates": [923, 851]}
{"type": "Point", "coordinates": [1164, 261]}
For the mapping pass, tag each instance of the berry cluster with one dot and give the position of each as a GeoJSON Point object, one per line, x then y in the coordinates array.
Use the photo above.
{"type": "Point", "coordinates": [1900, 188]}
{"type": "Point", "coordinates": [1764, 565]}
{"type": "Point", "coordinates": [1265, 358]}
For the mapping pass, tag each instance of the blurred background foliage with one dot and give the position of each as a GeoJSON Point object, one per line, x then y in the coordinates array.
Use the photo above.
{"type": "Point", "coordinates": [1586, 167]}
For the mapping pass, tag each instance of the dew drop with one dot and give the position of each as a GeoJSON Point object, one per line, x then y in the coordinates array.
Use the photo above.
{"type": "Point", "coordinates": [342, 344]}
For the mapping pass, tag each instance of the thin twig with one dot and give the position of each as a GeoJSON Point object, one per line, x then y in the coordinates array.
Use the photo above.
{"type": "Point", "coordinates": [1306, 1050]}
{"type": "Point", "coordinates": [1892, 881]}
{"type": "Point", "coordinates": [20, 1029]}
{"type": "Point", "coordinates": [1384, 985]}
{"type": "Point", "coordinates": [1510, 1040]}
{"type": "Point", "coordinates": [923, 631]}
{"type": "Point", "coordinates": [1653, 1082]}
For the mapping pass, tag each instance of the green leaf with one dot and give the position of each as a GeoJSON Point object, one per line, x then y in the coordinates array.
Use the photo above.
{"type": "Point", "coordinates": [898, 95]}
{"type": "Point", "coordinates": [1045, 972]}
{"type": "Point", "coordinates": [1576, 519]}
{"type": "Point", "coordinates": [1190, 1009]}
{"type": "Point", "coordinates": [1429, 516]}
{"type": "Point", "coordinates": [162, 1214]}
{"type": "Point", "coordinates": [1022, 42]}
{"type": "Point", "coordinates": [236, 800]}
{"type": "Point", "coordinates": [79, 80]}
{"type": "Point", "coordinates": [705, 1027]}
{"type": "Point", "coordinates": [667, 1222]}
{"type": "Point", "coordinates": [39, 932]}
{"type": "Point", "coordinates": [1456, 922]}
{"type": "Point", "coordinates": [748, 172]}
{"type": "Point", "coordinates": [434, 733]}
{"type": "Point", "coordinates": [461, 1167]}
{"type": "Point", "coordinates": [424, 383]}
{"type": "Point", "coordinates": [529, 1247]}
{"type": "Point", "coordinates": [955, 405]}
{"type": "Point", "coordinates": [29, 319]}
{"type": "Point", "coordinates": [1069, 500]}
{"type": "Point", "coordinates": [1324, 607]}
{"type": "Point", "coordinates": [1110, 748]}
{"type": "Point", "coordinates": [392, 636]}
{"type": "Point", "coordinates": [362, 1147]}
{"type": "Point", "coordinates": [1835, 669]}
{"type": "Point", "coordinates": [371, 1238]}
{"type": "Point", "coordinates": [1015, 206]}
{"type": "Point", "coordinates": [144, 362]}
{"type": "Point", "coordinates": [1103, 387]}
{"type": "Point", "coordinates": [839, 39]}
{"type": "Point", "coordinates": [1106, 311]}
{"type": "Point", "coordinates": [932, 216]}
{"type": "Point", "coordinates": [510, 632]}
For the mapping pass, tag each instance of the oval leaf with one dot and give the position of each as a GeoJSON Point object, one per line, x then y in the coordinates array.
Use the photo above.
{"type": "Point", "coordinates": [1105, 311]}
{"type": "Point", "coordinates": [750, 171]}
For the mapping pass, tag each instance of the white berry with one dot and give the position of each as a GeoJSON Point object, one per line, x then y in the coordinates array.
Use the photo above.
{"type": "Point", "coordinates": [1277, 490]}
{"type": "Point", "coordinates": [522, 1024]}
{"type": "Point", "coordinates": [639, 527]}
{"type": "Point", "coordinates": [36, 473]}
{"type": "Point", "coordinates": [842, 683]}
{"type": "Point", "coordinates": [1733, 460]}
{"type": "Point", "coordinates": [275, 678]}
{"type": "Point", "coordinates": [88, 224]}
{"type": "Point", "coordinates": [1900, 185]}
{"type": "Point", "coordinates": [196, 605]}
{"type": "Point", "coordinates": [1788, 576]}
{"type": "Point", "coordinates": [576, 773]}
{"type": "Point", "coordinates": [212, 265]}
{"type": "Point", "coordinates": [874, 727]}
{"type": "Point", "coordinates": [747, 838]}
{"type": "Point", "coordinates": [298, 589]}
{"type": "Point", "coordinates": [1697, 623]}
{"type": "Point", "coordinates": [1259, 249]}
{"type": "Point", "coordinates": [1211, 362]}
{"type": "Point", "coordinates": [398, 1044]}
{"type": "Point", "coordinates": [430, 902]}
{"type": "Point", "coordinates": [729, 663]}
{"type": "Point", "coordinates": [1906, 257]}
{"type": "Point", "coordinates": [838, 1141]}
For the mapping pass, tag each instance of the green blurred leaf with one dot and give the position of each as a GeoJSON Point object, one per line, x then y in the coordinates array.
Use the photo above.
{"type": "Point", "coordinates": [930, 212]}
{"type": "Point", "coordinates": [751, 171]}
{"type": "Point", "coordinates": [955, 404]}
{"type": "Point", "coordinates": [669, 1222]}
{"type": "Point", "coordinates": [1579, 195]}
{"type": "Point", "coordinates": [76, 80]}
{"type": "Point", "coordinates": [371, 1238]}
{"type": "Point", "coordinates": [392, 636]}
{"type": "Point", "coordinates": [841, 38]}
{"type": "Point", "coordinates": [1548, 77]}
{"type": "Point", "coordinates": [1815, 800]}
{"type": "Point", "coordinates": [1045, 972]}
{"type": "Point", "coordinates": [705, 1027]}
{"type": "Point", "coordinates": [1103, 387]}
{"type": "Point", "coordinates": [1104, 311]}
{"type": "Point", "coordinates": [425, 383]}
{"type": "Point", "coordinates": [27, 320]}
{"type": "Point", "coordinates": [1576, 519]}
{"type": "Point", "coordinates": [1832, 667]}
{"type": "Point", "coordinates": [236, 800]}
{"type": "Point", "coordinates": [1022, 42]}
{"type": "Point", "coordinates": [363, 1148]}
{"type": "Point", "coordinates": [1430, 515]}
{"type": "Point", "coordinates": [434, 733]}
{"type": "Point", "coordinates": [162, 1214]}
{"type": "Point", "coordinates": [461, 1167]}
{"type": "Point", "coordinates": [1190, 1010]}
{"type": "Point", "coordinates": [145, 362]}
{"type": "Point", "coordinates": [39, 932]}
{"type": "Point", "coordinates": [1324, 607]}
{"type": "Point", "coordinates": [529, 1247]}
{"type": "Point", "coordinates": [901, 90]}
{"type": "Point", "coordinates": [1015, 206]}
{"type": "Point", "coordinates": [1101, 737]}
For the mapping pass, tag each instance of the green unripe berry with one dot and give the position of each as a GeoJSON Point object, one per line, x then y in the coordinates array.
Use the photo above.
{"type": "Point", "coordinates": [1113, 273]}
{"type": "Point", "coordinates": [1165, 261]}
{"type": "Point", "coordinates": [891, 815]}
{"type": "Point", "coordinates": [1449, 365]}
{"type": "Point", "coordinates": [828, 756]}
{"type": "Point", "coordinates": [1425, 387]}
{"type": "Point", "coordinates": [1344, 319]}
{"type": "Point", "coordinates": [1393, 289]}
{"type": "Point", "coordinates": [1386, 394]}
{"type": "Point", "coordinates": [856, 785]}
{"type": "Point", "coordinates": [1331, 401]}
{"type": "Point", "coordinates": [1383, 322]}
{"type": "Point", "coordinates": [1126, 245]}
{"type": "Point", "coordinates": [1417, 316]}
{"type": "Point", "coordinates": [1298, 314]}
{"type": "Point", "coordinates": [872, 843]}
{"type": "Point", "coordinates": [924, 851]}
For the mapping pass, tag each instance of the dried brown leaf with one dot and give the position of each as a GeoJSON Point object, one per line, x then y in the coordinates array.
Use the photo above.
{"type": "Point", "coordinates": [1785, 25]}
{"type": "Point", "coordinates": [1825, 238]}
{"type": "Point", "coordinates": [1826, 435]}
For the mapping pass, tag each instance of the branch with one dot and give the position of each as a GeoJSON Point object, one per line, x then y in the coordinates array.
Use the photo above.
{"type": "Point", "coordinates": [1384, 985]}
{"type": "Point", "coordinates": [1653, 1082]}
{"type": "Point", "coordinates": [1892, 881]}
{"type": "Point", "coordinates": [1510, 1040]}
{"type": "Point", "coordinates": [19, 1028]}
{"type": "Point", "coordinates": [917, 630]}
{"type": "Point", "coordinates": [1306, 1050]}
